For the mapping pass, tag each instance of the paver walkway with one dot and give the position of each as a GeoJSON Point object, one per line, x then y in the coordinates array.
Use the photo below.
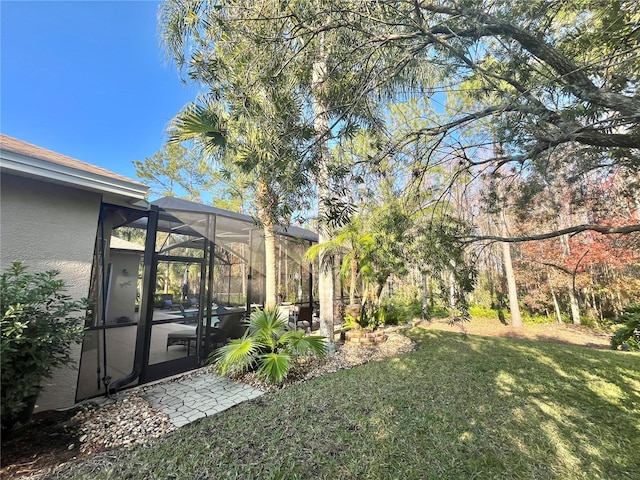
{"type": "Point", "coordinates": [186, 399]}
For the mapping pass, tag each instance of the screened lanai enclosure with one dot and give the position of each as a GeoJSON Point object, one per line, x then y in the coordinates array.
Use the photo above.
{"type": "Point", "coordinates": [172, 283]}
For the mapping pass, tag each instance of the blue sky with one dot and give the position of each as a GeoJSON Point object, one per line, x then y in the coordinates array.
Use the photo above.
{"type": "Point", "coordinates": [87, 79]}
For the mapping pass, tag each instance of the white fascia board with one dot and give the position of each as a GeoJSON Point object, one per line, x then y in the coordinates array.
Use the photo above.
{"type": "Point", "coordinates": [52, 172]}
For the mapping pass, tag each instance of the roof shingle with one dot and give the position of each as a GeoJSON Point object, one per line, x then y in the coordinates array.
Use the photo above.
{"type": "Point", "coordinates": [20, 147]}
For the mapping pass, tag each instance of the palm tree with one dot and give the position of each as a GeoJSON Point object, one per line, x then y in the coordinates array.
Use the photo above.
{"type": "Point", "coordinates": [246, 52]}
{"type": "Point", "coordinates": [258, 147]}
{"type": "Point", "coordinates": [350, 243]}
{"type": "Point", "coordinates": [371, 250]}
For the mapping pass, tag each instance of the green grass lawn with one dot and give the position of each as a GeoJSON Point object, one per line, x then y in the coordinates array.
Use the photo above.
{"type": "Point", "coordinates": [457, 407]}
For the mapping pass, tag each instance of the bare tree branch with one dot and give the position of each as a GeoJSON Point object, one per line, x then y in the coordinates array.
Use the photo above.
{"type": "Point", "coordinates": [627, 229]}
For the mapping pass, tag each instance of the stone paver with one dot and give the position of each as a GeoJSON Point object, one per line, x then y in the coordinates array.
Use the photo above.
{"type": "Point", "coordinates": [191, 397]}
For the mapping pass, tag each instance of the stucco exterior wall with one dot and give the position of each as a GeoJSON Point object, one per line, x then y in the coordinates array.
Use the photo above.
{"type": "Point", "coordinates": [47, 226]}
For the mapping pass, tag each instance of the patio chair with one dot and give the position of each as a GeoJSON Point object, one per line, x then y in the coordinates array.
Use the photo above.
{"type": "Point", "coordinates": [167, 304]}
{"type": "Point", "coordinates": [229, 327]}
{"type": "Point", "coordinates": [305, 313]}
{"type": "Point", "coordinates": [284, 311]}
{"type": "Point", "coordinates": [182, 337]}
{"type": "Point", "coordinates": [165, 301]}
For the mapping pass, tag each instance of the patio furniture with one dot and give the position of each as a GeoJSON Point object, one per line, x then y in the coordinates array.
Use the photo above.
{"type": "Point", "coordinates": [230, 326]}
{"type": "Point", "coordinates": [305, 313]}
{"type": "Point", "coordinates": [182, 337]}
{"type": "Point", "coordinates": [230, 323]}
{"type": "Point", "coordinates": [165, 301]}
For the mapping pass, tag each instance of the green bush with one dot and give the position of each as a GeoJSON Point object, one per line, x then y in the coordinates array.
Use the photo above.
{"type": "Point", "coordinates": [437, 311]}
{"type": "Point", "coordinates": [482, 312]}
{"type": "Point", "coordinates": [589, 322]}
{"type": "Point", "coordinates": [369, 318]}
{"type": "Point", "coordinates": [350, 322]}
{"type": "Point", "coordinates": [537, 319]}
{"type": "Point", "coordinates": [414, 310]}
{"type": "Point", "coordinates": [628, 337]}
{"type": "Point", "coordinates": [397, 310]}
{"type": "Point", "coordinates": [392, 314]}
{"type": "Point", "coordinates": [268, 346]}
{"type": "Point", "coordinates": [39, 324]}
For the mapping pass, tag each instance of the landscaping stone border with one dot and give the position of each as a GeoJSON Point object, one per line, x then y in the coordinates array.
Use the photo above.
{"type": "Point", "coordinates": [364, 337]}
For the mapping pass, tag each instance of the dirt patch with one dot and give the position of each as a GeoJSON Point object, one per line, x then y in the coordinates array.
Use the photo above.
{"type": "Point", "coordinates": [347, 355]}
{"type": "Point", "coordinates": [51, 438]}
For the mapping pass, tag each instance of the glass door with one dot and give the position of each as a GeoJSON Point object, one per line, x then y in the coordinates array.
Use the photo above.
{"type": "Point", "coordinates": [176, 323]}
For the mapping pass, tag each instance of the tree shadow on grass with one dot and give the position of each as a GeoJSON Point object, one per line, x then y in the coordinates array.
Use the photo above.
{"type": "Point", "coordinates": [456, 407]}
{"type": "Point", "coordinates": [552, 339]}
{"type": "Point", "coordinates": [578, 406]}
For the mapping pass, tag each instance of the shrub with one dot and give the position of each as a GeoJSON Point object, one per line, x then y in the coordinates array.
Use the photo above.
{"type": "Point", "coordinates": [589, 322]}
{"type": "Point", "coordinates": [372, 317]}
{"type": "Point", "coordinates": [268, 346]}
{"type": "Point", "coordinates": [537, 319]}
{"type": "Point", "coordinates": [482, 312]}
{"type": "Point", "coordinates": [38, 327]}
{"type": "Point", "coordinates": [628, 337]}
{"type": "Point", "coordinates": [437, 311]}
{"type": "Point", "coordinates": [392, 314]}
{"type": "Point", "coordinates": [398, 310]}
{"type": "Point", "coordinates": [350, 322]}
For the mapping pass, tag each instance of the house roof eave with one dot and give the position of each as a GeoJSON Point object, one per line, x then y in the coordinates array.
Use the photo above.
{"type": "Point", "coordinates": [23, 159]}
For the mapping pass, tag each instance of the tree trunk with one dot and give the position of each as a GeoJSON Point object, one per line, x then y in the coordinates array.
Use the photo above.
{"type": "Point", "coordinates": [573, 301]}
{"type": "Point", "coordinates": [279, 274]}
{"type": "Point", "coordinates": [354, 279]}
{"type": "Point", "coordinates": [556, 305]}
{"type": "Point", "coordinates": [425, 297]}
{"type": "Point", "coordinates": [575, 307]}
{"type": "Point", "coordinates": [618, 307]}
{"type": "Point", "coordinates": [321, 127]}
{"type": "Point", "coordinates": [287, 283]}
{"type": "Point", "coordinates": [452, 294]}
{"type": "Point", "coordinates": [245, 286]}
{"type": "Point", "coordinates": [326, 271]}
{"type": "Point", "coordinates": [596, 306]}
{"type": "Point", "coordinates": [265, 199]}
{"type": "Point", "coordinates": [516, 319]}
{"type": "Point", "coordinates": [271, 294]}
{"type": "Point", "coordinates": [378, 292]}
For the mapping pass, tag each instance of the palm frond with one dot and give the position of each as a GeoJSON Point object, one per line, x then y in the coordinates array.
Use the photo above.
{"type": "Point", "coordinates": [274, 367]}
{"type": "Point", "coordinates": [297, 343]}
{"type": "Point", "coordinates": [237, 356]}
{"type": "Point", "coordinates": [267, 326]}
{"type": "Point", "coordinates": [206, 124]}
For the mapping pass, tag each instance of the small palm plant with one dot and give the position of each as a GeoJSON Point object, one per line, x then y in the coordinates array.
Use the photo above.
{"type": "Point", "coordinates": [267, 346]}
